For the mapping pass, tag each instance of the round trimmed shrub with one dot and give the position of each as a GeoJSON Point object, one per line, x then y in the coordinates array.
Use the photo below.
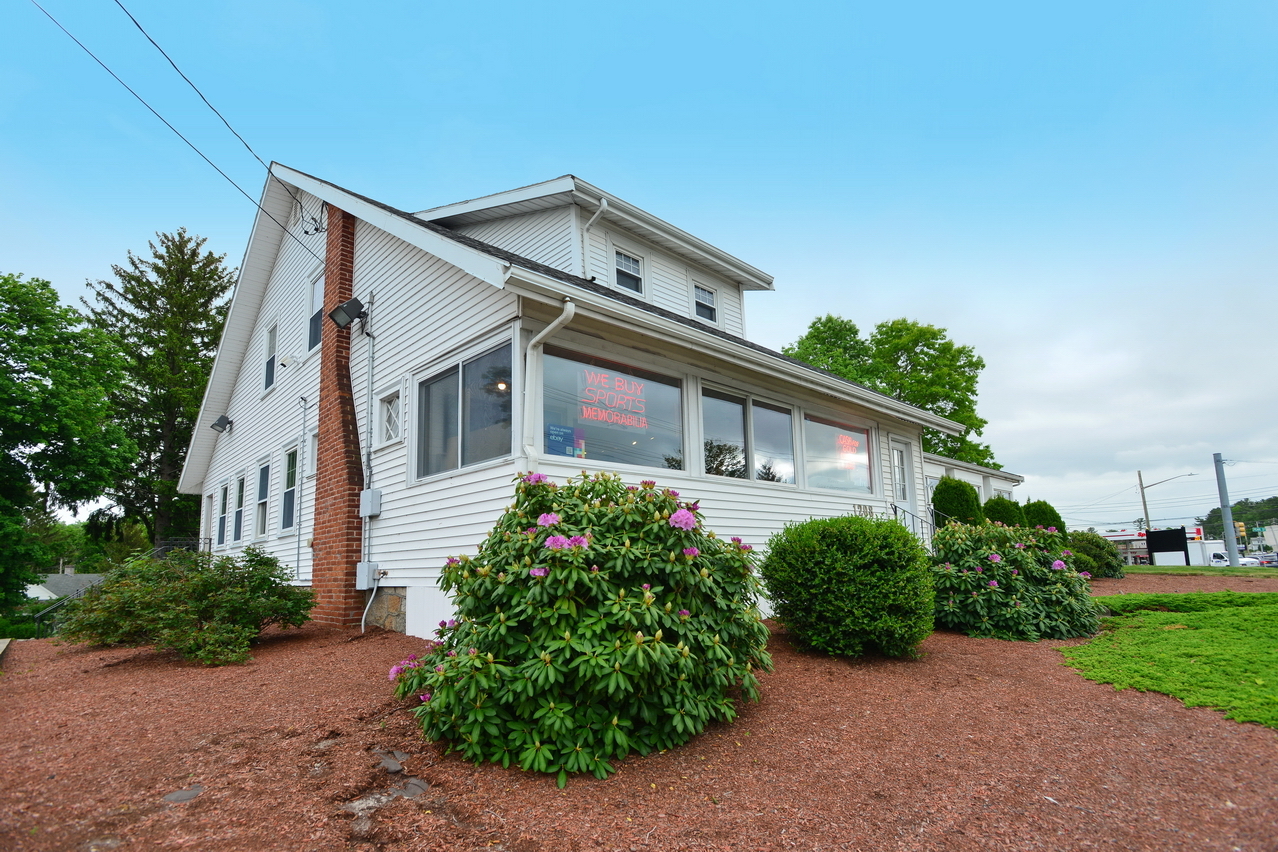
{"type": "Point", "coordinates": [1040, 513]}
{"type": "Point", "coordinates": [1006, 512]}
{"type": "Point", "coordinates": [850, 584]}
{"type": "Point", "coordinates": [1010, 583]}
{"type": "Point", "coordinates": [954, 500]}
{"type": "Point", "coordinates": [597, 619]}
{"type": "Point", "coordinates": [1102, 556]}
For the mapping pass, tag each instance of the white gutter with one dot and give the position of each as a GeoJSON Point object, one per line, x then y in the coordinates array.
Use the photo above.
{"type": "Point", "coordinates": [532, 380]}
{"type": "Point", "coordinates": [585, 238]}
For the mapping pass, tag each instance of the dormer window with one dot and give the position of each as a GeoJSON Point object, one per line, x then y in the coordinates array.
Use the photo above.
{"type": "Point", "coordinates": [703, 300]}
{"type": "Point", "coordinates": [629, 272]}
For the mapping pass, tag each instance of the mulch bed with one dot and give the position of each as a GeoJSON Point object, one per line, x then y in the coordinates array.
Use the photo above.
{"type": "Point", "coordinates": [978, 745]}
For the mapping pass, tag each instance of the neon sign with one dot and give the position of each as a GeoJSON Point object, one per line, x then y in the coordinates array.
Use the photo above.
{"type": "Point", "coordinates": [848, 447]}
{"type": "Point", "coordinates": [615, 400]}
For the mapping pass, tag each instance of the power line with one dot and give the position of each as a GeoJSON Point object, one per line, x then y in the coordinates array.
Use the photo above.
{"type": "Point", "coordinates": [176, 132]}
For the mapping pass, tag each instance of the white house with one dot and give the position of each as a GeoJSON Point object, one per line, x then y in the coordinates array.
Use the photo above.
{"type": "Point", "coordinates": [987, 481]}
{"type": "Point", "coordinates": [553, 328]}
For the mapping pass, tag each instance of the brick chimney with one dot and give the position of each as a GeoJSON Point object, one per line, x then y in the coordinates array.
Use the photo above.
{"type": "Point", "coordinates": [339, 475]}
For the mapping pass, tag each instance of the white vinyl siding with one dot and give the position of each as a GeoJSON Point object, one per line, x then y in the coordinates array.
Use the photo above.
{"type": "Point", "coordinates": [546, 236]}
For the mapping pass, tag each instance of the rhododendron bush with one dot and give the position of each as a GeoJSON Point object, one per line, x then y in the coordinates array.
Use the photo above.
{"type": "Point", "coordinates": [1010, 583]}
{"type": "Point", "coordinates": [597, 619]}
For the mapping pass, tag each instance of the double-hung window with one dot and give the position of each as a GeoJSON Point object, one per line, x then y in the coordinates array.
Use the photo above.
{"type": "Point", "coordinates": [703, 299]}
{"type": "Point", "coordinates": [464, 413]}
{"type": "Point", "coordinates": [263, 494]}
{"type": "Point", "coordinates": [747, 439]}
{"type": "Point", "coordinates": [271, 340]}
{"type": "Point", "coordinates": [316, 326]}
{"type": "Point", "coordinates": [224, 500]}
{"type": "Point", "coordinates": [237, 528]}
{"type": "Point", "coordinates": [288, 505]}
{"type": "Point", "coordinates": [629, 272]}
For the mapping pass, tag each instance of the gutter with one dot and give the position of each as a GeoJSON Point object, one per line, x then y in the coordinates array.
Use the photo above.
{"type": "Point", "coordinates": [532, 379]}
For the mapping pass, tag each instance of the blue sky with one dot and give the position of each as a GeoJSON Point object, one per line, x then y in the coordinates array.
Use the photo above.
{"type": "Point", "coordinates": [1086, 193]}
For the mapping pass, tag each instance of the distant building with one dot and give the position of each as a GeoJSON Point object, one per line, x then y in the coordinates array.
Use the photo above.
{"type": "Point", "coordinates": [53, 586]}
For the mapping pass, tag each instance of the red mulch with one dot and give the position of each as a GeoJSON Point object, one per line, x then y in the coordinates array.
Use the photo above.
{"type": "Point", "coordinates": [979, 745]}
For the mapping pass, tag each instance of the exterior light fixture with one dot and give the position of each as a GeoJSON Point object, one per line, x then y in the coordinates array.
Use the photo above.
{"type": "Point", "coordinates": [222, 424]}
{"type": "Point", "coordinates": [347, 312]}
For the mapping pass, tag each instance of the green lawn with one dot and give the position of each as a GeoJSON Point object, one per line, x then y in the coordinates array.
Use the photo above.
{"type": "Point", "coordinates": [1253, 571]}
{"type": "Point", "coordinates": [1216, 649]}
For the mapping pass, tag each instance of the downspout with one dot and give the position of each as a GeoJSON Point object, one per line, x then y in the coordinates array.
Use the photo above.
{"type": "Point", "coordinates": [368, 457]}
{"type": "Point", "coordinates": [303, 446]}
{"type": "Point", "coordinates": [532, 379]}
{"type": "Point", "coordinates": [585, 238]}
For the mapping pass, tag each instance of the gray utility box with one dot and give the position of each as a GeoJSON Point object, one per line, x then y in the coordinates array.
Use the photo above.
{"type": "Point", "coordinates": [370, 502]}
{"type": "Point", "coordinates": [365, 575]}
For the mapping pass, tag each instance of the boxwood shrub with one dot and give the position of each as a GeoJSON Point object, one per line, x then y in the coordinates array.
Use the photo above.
{"type": "Point", "coordinates": [1096, 554]}
{"type": "Point", "coordinates": [1004, 511]}
{"type": "Point", "coordinates": [957, 501]}
{"type": "Point", "coordinates": [850, 584]}
{"type": "Point", "coordinates": [597, 619]}
{"type": "Point", "coordinates": [1010, 583]}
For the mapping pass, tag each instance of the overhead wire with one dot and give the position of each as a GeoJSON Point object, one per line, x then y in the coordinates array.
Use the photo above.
{"type": "Point", "coordinates": [178, 133]}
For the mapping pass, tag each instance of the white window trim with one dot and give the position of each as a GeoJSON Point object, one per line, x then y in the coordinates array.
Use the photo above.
{"type": "Point", "coordinates": [715, 306]}
{"type": "Point", "coordinates": [239, 494]}
{"type": "Point", "coordinates": [317, 272]}
{"type": "Point", "coordinates": [262, 507]}
{"type": "Point", "coordinates": [291, 447]}
{"type": "Point", "coordinates": [399, 389]}
{"type": "Point", "coordinates": [267, 355]}
{"type": "Point", "coordinates": [639, 253]}
{"type": "Point", "coordinates": [410, 395]}
{"type": "Point", "coordinates": [750, 399]}
{"type": "Point", "coordinates": [221, 515]}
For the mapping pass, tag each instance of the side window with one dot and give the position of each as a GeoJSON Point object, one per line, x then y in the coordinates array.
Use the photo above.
{"type": "Point", "coordinates": [629, 272]}
{"type": "Point", "coordinates": [704, 303]}
{"type": "Point", "coordinates": [464, 414]}
{"type": "Point", "coordinates": [237, 528]}
{"type": "Point", "coordinates": [271, 337]}
{"type": "Point", "coordinates": [900, 474]}
{"type": "Point", "coordinates": [288, 504]}
{"type": "Point", "coordinates": [317, 313]}
{"type": "Point", "coordinates": [223, 502]}
{"type": "Point", "coordinates": [390, 418]}
{"type": "Point", "coordinates": [747, 439]}
{"type": "Point", "coordinates": [263, 495]}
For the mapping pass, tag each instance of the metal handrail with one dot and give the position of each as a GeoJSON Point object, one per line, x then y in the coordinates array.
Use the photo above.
{"type": "Point", "coordinates": [54, 607]}
{"type": "Point", "coordinates": [921, 527]}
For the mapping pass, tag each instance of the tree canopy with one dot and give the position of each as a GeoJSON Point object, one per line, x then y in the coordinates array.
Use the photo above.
{"type": "Point", "coordinates": [60, 442]}
{"type": "Point", "coordinates": [1253, 513]}
{"type": "Point", "coordinates": [913, 362]}
{"type": "Point", "coordinates": [167, 313]}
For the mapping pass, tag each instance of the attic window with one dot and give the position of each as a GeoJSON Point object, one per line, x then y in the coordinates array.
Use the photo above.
{"type": "Point", "coordinates": [704, 303]}
{"type": "Point", "coordinates": [629, 272]}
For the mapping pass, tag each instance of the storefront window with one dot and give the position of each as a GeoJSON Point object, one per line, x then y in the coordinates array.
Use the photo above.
{"type": "Point", "coordinates": [463, 414]}
{"type": "Point", "coordinates": [605, 412]}
{"type": "Point", "coordinates": [766, 455]}
{"type": "Point", "coordinates": [836, 456]}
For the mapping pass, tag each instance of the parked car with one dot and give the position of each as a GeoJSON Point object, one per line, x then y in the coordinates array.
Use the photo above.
{"type": "Point", "coordinates": [1221, 560]}
{"type": "Point", "coordinates": [1270, 559]}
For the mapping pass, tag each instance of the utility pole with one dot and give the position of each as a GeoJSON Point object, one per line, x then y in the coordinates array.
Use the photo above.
{"type": "Point", "coordinates": [1141, 480]}
{"type": "Point", "coordinates": [1226, 513]}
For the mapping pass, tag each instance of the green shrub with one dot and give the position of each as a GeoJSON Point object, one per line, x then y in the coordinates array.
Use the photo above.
{"type": "Point", "coordinates": [1009, 583]}
{"type": "Point", "coordinates": [956, 500]}
{"type": "Point", "coordinates": [1096, 554]}
{"type": "Point", "coordinates": [1040, 513]}
{"type": "Point", "coordinates": [1006, 512]}
{"type": "Point", "coordinates": [204, 607]}
{"type": "Point", "coordinates": [844, 585]}
{"type": "Point", "coordinates": [596, 620]}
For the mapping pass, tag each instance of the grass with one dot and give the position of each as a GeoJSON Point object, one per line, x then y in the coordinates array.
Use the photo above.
{"type": "Point", "coordinates": [1209, 649]}
{"type": "Point", "coordinates": [1195, 570]}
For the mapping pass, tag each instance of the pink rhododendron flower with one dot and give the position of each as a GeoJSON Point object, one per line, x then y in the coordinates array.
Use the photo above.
{"type": "Point", "coordinates": [452, 560]}
{"type": "Point", "coordinates": [594, 569]}
{"type": "Point", "coordinates": [1058, 565]}
{"type": "Point", "coordinates": [1067, 553]}
{"type": "Point", "coordinates": [994, 557]}
{"type": "Point", "coordinates": [683, 520]}
{"type": "Point", "coordinates": [439, 669]}
{"type": "Point", "coordinates": [425, 696]}
{"type": "Point", "coordinates": [452, 653]}
{"type": "Point", "coordinates": [648, 483]}
{"type": "Point", "coordinates": [530, 531]}
{"type": "Point", "coordinates": [539, 572]}
{"type": "Point", "coordinates": [632, 487]}
{"type": "Point", "coordinates": [979, 569]}
{"type": "Point", "coordinates": [1085, 574]}
{"type": "Point", "coordinates": [549, 519]}
{"type": "Point", "coordinates": [746, 547]}
{"type": "Point", "coordinates": [736, 539]}
{"type": "Point", "coordinates": [395, 672]}
{"type": "Point", "coordinates": [579, 541]}
{"type": "Point", "coordinates": [534, 478]}
{"type": "Point", "coordinates": [993, 584]}
{"type": "Point", "coordinates": [1051, 529]}
{"type": "Point", "coordinates": [1019, 546]}
{"type": "Point", "coordinates": [672, 492]}
{"type": "Point", "coordinates": [691, 551]}
{"type": "Point", "coordinates": [683, 613]}
{"type": "Point", "coordinates": [647, 586]}
{"type": "Point", "coordinates": [1015, 572]}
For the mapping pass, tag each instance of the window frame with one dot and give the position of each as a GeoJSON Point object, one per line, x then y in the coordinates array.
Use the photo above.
{"type": "Point", "coordinates": [617, 271]}
{"type": "Point", "coordinates": [315, 314]}
{"type": "Point", "coordinates": [222, 502]}
{"type": "Point", "coordinates": [288, 509]}
{"type": "Point", "coordinates": [237, 524]}
{"type": "Point", "coordinates": [270, 362]}
{"type": "Point", "coordinates": [411, 427]}
{"type": "Point", "coordinates": [841, 420]}
{"type": "Point", "coordinates": [713, 304]}
{"type": "Point", "coordinates": [748, 421]}
{"type": "Point", "coordinates": [261, 519]}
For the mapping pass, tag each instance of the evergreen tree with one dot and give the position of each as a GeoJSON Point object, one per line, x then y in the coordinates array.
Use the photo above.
{"type": "Point", "coordinates": [913, 362]}
{"type": "Point", "coordinates": [1040, 513]}
{"type": "Point", "coordinates": [1007, 512]}
{"type": "Point", "coordinates": [167, 314]}
{"type": "Point", "coordinates": [956, 500]}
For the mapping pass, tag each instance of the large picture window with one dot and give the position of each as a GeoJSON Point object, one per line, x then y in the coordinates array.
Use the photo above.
{"type": "Point", "coordinates": [464, 414]}
{"type": "Point", "coordinates": [836, 456]}
{"type": "Point", "coordinates": [607, 412]}
{"type": "Point", "coordinates": [764, 452]}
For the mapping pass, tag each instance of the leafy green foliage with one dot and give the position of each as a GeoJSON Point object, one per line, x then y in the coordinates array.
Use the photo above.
{"type": "Point", "coordinates": [596, 620]}
{"type": "Point", "coordinates": [60, 442]}
{"type": "Point", "coordinates": [850, 584]}
{"type": "Point", "coordinates": [1253, 513]}
{"type": "Point", "coordinates": [1009, 583]}
{"type": "Point", "coordinates": [1096, 554]}
{"type": "Point", "coordinates": [167, 314]}
{"type": "Point", "coordinates": [913, 362]}
{"type": "Point", "coordinates": [1040, 513]}
{"type": "Point", "coordinates": [1004, 511]}
{"type": "Point", "coordinates": [1215, 649]}
{"type": "Point", "coordinates": [956, 500]}
{"type": "Point", "coordinates": [204, 607]}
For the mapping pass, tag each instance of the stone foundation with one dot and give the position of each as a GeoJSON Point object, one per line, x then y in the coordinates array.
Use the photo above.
{"type": "Point", "coordinates": [387, 610]}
